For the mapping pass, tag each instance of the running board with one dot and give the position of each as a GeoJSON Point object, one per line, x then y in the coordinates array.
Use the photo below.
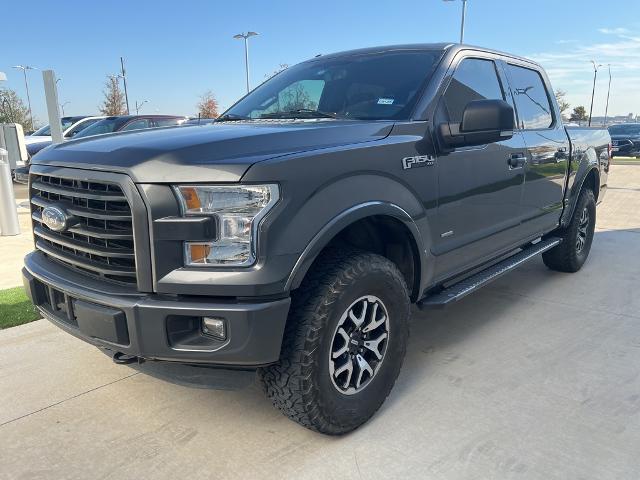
{"type": "Point", "coordinates": [463, 288]}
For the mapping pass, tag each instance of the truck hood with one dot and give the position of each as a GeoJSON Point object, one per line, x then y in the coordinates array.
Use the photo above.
{"type": "Point", "coordinates": [220, 152]}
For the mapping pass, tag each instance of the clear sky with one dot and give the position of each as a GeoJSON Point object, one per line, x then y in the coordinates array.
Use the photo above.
{"type": "Point", "coordinates": [175, 51]}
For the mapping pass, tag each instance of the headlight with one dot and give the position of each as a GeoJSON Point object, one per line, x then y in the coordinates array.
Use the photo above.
{"type": "Point", "coordinates": [238, 210]}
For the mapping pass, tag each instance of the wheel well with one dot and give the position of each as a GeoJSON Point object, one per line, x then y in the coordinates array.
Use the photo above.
{"type": "Point", "coordinates": [591, 182]}
{"type": "Point", "coordinates": [389, 237]}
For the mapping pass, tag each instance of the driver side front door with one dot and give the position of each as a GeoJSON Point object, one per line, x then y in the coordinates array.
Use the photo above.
{"type": "Point", "coordinates": [479, 189]}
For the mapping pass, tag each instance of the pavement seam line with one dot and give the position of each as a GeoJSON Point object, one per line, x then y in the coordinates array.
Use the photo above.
{"type": "Point", "coordinates": [66, 399]}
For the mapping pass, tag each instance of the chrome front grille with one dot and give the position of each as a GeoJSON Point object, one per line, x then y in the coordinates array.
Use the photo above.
{"type": "Point", "coordinates": [99, 240]}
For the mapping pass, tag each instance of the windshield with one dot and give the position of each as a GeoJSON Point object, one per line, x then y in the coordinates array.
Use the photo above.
{"type": "Point", "coordinates": [380, 86]}
{"type": "Point", "coordinates": [46, 130]}
{"type": "Point", "coordinates": [80, 126]}
{"type": "Point", "coordinates": [42, 131]}
{"type": "Point", "coordinates": [625, 129]}
{"type": "Point", "coordinates": [107, 125]}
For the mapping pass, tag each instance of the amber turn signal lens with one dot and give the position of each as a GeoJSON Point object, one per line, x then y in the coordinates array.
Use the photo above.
{"type": "Point", "coordinates": [190, 197]}
{"type": "Point", "coordinates": [199, 253]}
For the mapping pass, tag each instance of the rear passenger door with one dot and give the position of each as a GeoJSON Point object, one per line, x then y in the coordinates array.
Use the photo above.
{"type": "Point", "coordinates": [547, 148]}
{"type": "Point", "coordinates": [479, 192]}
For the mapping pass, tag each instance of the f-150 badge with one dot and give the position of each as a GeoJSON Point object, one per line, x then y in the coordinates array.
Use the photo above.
{"type": "Point", "coordinates": [418, 161]}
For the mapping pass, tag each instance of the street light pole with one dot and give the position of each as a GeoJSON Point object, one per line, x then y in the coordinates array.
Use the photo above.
{"type": "Point", "coordinates": [24, 69]}
{"type": "Point", "coordinates": [124, 81]}
{"type": "Point", "coordinates": [593, 91]}
{"type": "Point", "coordinates": [246, 36]}
{"type": "Point", "coordinates": [62, 106]}
{"type": "Point", "coordinates": [464, 14]}
{"type": "Point", "coordinates": [139, 106]}
{"type": "Point", "coordinates": [606, 109]}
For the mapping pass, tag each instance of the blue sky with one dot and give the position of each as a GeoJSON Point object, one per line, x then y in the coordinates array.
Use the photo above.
{"type": "Point", "coordinates": [177, 50]}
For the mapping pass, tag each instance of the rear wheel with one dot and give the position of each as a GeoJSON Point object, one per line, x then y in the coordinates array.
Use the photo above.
{"type": "Point", "coordinates": [344, 344]}
{"type": "Point", "coordinates": [571, 254]}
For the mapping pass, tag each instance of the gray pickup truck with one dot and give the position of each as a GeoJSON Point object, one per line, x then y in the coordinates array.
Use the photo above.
{"type": "Point", "coordinates": [292, 235]}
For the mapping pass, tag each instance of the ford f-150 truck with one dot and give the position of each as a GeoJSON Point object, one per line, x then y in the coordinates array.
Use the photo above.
{"type": "Point", "coordinates": [292, 235]}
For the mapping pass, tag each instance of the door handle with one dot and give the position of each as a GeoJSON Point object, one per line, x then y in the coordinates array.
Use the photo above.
{"type": "Point", "coordinates": [517, 160]}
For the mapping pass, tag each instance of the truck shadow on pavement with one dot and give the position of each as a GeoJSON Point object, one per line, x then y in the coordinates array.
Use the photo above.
{"type": "Point", "coordinates": [441, 340]}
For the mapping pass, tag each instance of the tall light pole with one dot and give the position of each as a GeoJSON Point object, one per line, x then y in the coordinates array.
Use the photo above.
{"type": "Point", "coordinates": [246, 36]}
{"type": "Point", "coordinates": [124, 81]}
{"type": "Point", "coordinates": [464, 14]}
{"type": "Point", "coordinates": [139, 105]}
{"type": "Point", "coordinates": [593, 92]}
{"type": "Point", "coordinates": [606, 109]}
{"type": "Point", "coordinates": [24, 69]}
{"type": "Point", "coordinates": [62, 106]}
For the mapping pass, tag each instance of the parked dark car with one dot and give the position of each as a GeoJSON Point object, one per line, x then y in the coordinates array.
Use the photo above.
{"type": "Point", "coordinates": [125, 123]}
{"type": "Point", "coordinates": [625, 138]}
{"type": "Point", "coordinates": [292, 236]}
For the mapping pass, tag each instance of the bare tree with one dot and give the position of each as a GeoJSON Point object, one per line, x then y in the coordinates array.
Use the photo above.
{"type": "Point", "coordinates": [281, 67]}
{"type": "Point", "coordinates": [563, 105]}
{"type": "Point", "coordinates": [208, 105]}
{"type": "Point", "coordinates": [114, 103]}
{"type": "Point", "coordinates": [13, 109]}
{"type": "Point", "coordinates": [296, 97]}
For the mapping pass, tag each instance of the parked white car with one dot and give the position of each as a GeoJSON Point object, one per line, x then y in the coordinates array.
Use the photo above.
{"type": "Point", "coordinates": [70, 126]}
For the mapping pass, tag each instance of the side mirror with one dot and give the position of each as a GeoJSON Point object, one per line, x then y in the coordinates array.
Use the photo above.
{"type": "Point", "coordinates": [483, 121]}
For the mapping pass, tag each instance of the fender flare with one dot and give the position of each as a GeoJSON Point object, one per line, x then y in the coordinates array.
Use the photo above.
{"type": "Point", "coordinates": [343, 220]}
{"type": "Point", "coordinates": [574, 194]}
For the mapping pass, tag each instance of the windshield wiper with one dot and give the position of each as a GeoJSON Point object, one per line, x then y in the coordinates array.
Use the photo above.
{"type": "Point", "coordinates": [300, 113]}
{"type": "Point", "coordinates": [231, 117]}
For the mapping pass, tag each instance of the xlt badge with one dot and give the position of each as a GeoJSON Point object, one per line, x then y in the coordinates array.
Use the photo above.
{"type": "Point", "coordinates": [418, 161]}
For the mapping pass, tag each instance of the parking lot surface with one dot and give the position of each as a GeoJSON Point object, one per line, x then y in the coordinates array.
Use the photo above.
{"type": "Point", "coordinates": [536, 376]}
{"type": "Point", "coordinates": [14, 248]}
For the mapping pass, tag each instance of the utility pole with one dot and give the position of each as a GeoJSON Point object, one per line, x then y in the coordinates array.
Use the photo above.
{"type": "Point", "coordinates": [124, 80]}
{"type": "Point", "coordinates": [606, 109]}
{"type": "Point", "coordinates": [246, 36]}
{"type": "Point", "coordinates": [24, 69]}
{"type": "Point", "coordinates": [593, 92]}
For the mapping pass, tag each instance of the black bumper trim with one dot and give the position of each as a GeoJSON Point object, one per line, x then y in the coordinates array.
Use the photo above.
{"type": "Point", "coordinates": [254, 336]}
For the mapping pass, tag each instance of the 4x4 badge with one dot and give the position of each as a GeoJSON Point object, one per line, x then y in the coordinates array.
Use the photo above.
{"type": "Point", "coordinates": [418, 161]}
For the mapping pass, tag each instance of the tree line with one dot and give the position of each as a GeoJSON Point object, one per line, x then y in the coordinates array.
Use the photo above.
{"type": "Point", "coordinates": [114, 101]}
{"type": "Point", "coordinates": [579, 113]}
{"type": "Point", "coordinates": [14, 110]}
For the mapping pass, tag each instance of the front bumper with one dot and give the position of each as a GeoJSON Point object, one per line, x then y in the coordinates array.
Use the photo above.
{"type": "Point", "coordinates": [152, 326]}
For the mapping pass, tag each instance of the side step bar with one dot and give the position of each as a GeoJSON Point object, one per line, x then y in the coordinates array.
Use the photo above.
{"type": "Point", "coordinates": [471, 284]}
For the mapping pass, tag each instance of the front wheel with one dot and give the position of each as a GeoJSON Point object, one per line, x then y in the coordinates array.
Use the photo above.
{"type": "Point", "coordinates": [344, 344]}
{"type": "Point", "coordinates": [571, 254]}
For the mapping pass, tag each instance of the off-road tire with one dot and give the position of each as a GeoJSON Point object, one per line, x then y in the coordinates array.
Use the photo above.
{"type": "Point", "coordinates": [567, 257]}
{"type": "Point", "coordinates": [300, 384]}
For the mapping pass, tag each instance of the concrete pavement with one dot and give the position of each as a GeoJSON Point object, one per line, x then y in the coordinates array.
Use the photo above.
{"type": "Point", "coordinates": [534, 377]}
{"type": "Point", "coordinates": [14, 248]}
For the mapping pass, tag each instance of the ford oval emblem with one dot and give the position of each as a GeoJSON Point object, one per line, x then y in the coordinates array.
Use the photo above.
{"type": "Point", "coordinates": [55, 218]}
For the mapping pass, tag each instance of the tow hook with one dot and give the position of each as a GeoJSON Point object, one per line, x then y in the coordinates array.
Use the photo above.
{"type": "Point", "coordinates": [124, 359]}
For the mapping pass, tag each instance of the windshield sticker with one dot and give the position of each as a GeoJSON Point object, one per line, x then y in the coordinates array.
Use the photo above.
{"type": "Point", "coordinates": [385, 101]}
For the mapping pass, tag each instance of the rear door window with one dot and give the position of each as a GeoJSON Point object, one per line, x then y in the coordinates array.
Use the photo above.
{"type": "Point", "coordinates": [138, 124]}
{"type": "Point", "coordinates": [168, 122]}
{"type": "Point", "coordinates": [531, 97]}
